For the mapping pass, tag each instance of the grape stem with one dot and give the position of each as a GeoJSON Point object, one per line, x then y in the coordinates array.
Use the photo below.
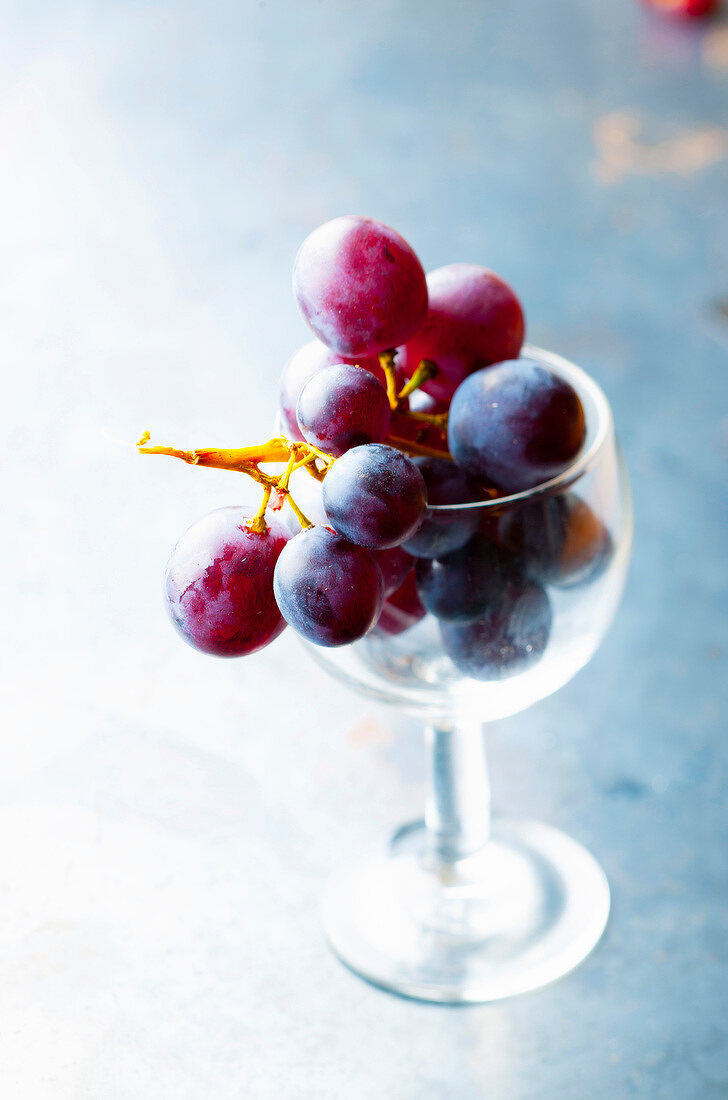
{"type": "Point", "coordinates": [386, 362]}
{"type": "Point", "coordinates": [246, 460]}
{"type": "Point", "coordinates": [304, 456]}
{"type": "Point", "coordinates": [410, 447]}
{"type": "Point", "coordinates": [258, 523]}
{"type": "Point", "coordinates": [438, 419]}
{"type": "Point", "coordinates": [425, 372]}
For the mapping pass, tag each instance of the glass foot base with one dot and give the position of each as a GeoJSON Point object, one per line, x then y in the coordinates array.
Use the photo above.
{"type": "Point", "coordinates": [515, 916]}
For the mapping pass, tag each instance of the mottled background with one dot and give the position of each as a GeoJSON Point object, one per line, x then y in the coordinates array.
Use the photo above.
{"type": "Point", "coordinates": [168, 820]}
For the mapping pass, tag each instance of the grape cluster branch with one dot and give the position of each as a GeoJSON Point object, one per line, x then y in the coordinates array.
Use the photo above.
{"type": "Point", "coordinates": [247, 460]}
{"type": "Point", "coordinates": [304, 456]}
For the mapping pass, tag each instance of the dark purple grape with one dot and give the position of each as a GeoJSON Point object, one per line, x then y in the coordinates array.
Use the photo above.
{"type": "Point", "coordinates": [473, 319]}
{"type": "Point", "coordinates": [301, 368]}
{"type": "Point", "coordinates": [558, 538]}
{"type": "Point", "coordinates": [395, 564]}
{"type": "Point", "coordinates": [359, 286]}
{"type": "Point", "coordinates": [507, 639]}
{"type": "Point", "coordinates": [515, 425]}
{"type": "Point", "coordinates": [442, 532]}
{"type": "Point", "coordinates": [461, 585]}
{"type": "Point", "coordinates": [342, 407]}
{"type": "Point", "coordinates": [328, 590]}
{"type": "Point", "coordinates": [219, 583]}
{"type": "Point", "coordinates": [374, 496]}
{"type": "Point", "coordinates": [401, 610]}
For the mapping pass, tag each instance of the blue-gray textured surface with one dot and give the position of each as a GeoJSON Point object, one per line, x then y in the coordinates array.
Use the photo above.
{"type": "Point", "coordinates": [169, 820]}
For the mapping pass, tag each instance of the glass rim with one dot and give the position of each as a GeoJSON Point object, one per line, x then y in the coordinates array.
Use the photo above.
{"type": "Point", "coordinates": [584, 384]}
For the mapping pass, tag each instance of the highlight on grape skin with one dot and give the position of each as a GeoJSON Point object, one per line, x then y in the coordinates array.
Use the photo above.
{"type": "Point", "coordinates": [219, 583]}
{"type": "Point", "coordinates": [359, 285]}
{"type": "Point", "coordinates": [328, 590]}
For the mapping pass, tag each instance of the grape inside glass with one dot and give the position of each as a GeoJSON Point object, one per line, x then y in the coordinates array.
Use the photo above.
{"type": "Point", "coordinates": [461, 907]}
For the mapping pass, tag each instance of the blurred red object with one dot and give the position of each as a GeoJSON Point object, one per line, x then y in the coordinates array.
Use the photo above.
{"type": "Point", "coordinates": [684, 9]}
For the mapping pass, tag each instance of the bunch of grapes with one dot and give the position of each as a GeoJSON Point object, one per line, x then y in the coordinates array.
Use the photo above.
{"type": "Point", "coordinates": [411, 401]}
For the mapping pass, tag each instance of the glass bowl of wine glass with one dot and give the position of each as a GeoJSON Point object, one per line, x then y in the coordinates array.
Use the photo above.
{"type": "Point", "coordinates": [459, 907]}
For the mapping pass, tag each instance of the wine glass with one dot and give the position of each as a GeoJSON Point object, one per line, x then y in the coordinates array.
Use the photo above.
{"type": "Point", "coordinates": [460, 908]}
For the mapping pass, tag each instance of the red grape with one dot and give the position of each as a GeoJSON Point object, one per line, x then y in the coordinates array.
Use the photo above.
{"type": "Point", "coordinates": [342, 407]}
{"type": "Point", "coordinates": [328, 590]}
{"type": "Point", "coordinates": [304, 365]}
{"type": "Point", "coordinates": [401, 610]}
{"type": "Point", "coordinates": [374, 496]}
{"type": "Point", "coordinates": [359, 286]}
{"type": "Point", "coordinates": [515, 425]}
{"type": "Point", "coordinates": [473, 319]}
{"type": "Point", "coordinates": [219, 583]}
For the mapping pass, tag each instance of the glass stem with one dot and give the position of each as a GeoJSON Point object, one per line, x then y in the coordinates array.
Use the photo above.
{"type": "Point", "coordinates": [457, 794]}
